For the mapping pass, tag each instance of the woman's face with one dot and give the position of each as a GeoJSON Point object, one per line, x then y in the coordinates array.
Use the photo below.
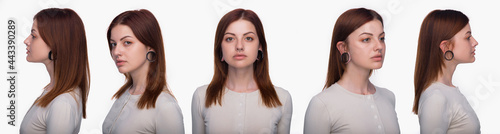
{"type": "Point", "coordinates": [240, 44]}
{"type": "Point", "coordinates": [127, 51]}
{"type": "Point", "coordinates": [464, 46]}
{"type": "Point", "coordinates": [366, 45]}
{"type": "Point", "coordinates": [36, 49]}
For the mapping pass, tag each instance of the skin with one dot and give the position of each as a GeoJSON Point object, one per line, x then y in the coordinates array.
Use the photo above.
{"type": "Point", "coordinates": [37, 51]}
{"type": "Point", "coordinates": [129, 55]}
{"type": "Point", "coordinates": [463, 46]}
{"type": "Point", "coordinates": [366, 47]}
{"type": "Point", "coordinates": [240, 47]}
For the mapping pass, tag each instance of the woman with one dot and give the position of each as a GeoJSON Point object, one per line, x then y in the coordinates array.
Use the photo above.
{"type": "Point", "coordinates": [60, 108]}
{"type": "Point", "coordinates": [350, 103]}
{"type": "Point", "coordinates": [144, 103]}
{"type": "Point", "coordinates": [241, 97]}
{"type": "Point", "coordinates": [445, 41]}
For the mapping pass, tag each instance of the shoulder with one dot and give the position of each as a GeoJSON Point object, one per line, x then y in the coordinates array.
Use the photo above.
{"type": "Point", "coordinates": [72, 99]}
{"type": "Point", "coordinates": [281, 92]}
{"type": "Point", "coordinates": [166, 98]}
{"type": "Point", "coordinates": [385, 92]}
{"type": "Point", "coordinates": [202, 90]}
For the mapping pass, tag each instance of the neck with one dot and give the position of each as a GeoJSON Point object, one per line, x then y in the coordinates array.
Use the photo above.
{"type": "Point", "coordinates": [139, 77]}
{"type": "Point", "coordinates": [447, 74]}
{"type": "Point", "coordinates": [355, 79]}
{"type": "Point", "coordinates": [241, 80]}
{"type": "Point", "coordinates": [50, 69]}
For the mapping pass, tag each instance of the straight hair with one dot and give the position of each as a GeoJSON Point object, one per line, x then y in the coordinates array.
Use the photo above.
{"type": "Point", "coordinates": [438, 25]}
{"type": "Point", "coordinates": [64, 33]}
{"type": "Point", "coordinates": [347, 23]}
{"type": "Point", "coordinates": [215, 89]}
{"type": "Point", "coordinates": [147, 30]}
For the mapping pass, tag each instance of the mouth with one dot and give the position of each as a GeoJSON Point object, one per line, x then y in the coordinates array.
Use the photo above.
{"type": "Point", "coordinates": [377, 58]}
{"type": "Point", "coordinates": [239, 56]}
{"type": "Point", "coordinates": [27, 51]}
{"type": "Point", "coordinates": [120, 62]}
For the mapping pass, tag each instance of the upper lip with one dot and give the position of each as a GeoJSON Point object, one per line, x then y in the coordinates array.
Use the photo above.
{"type": "Point", "coordinates": [239, 55]}
{"type": "Point", "coordinates": [378, 55]}
{"type": "Point", "coordinates": [118, 60]}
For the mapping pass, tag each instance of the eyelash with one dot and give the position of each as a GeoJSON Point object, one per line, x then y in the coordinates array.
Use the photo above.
{"type": "Point", "coordinates": [32, 36]}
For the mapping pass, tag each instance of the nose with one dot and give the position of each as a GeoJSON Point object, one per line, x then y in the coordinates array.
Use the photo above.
{"type": "Point", "coordinates": [116, 50]}
{"type": "Point", "coordinates": [379, 46]}
{"type": "Point", "coordinates": [27, 41]}
{"type": "Point", "coordinates": [475, 43]}
{"type": "Point", "coordinates": [239, 45]}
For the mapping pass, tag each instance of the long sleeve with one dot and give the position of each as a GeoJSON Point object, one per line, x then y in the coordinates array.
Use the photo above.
{"type": "Point", "coordinates": [170, 120]}
{"type": "Point", "coordinates": [61, 118]}
{"type": "Point", "coordinates": [317, 118]}
{"type": "Point", "coordinates": [433, 115]}
{"type": "Point", "coordinates": [286, 118]}
{"type": "Point", "coordinates": [196, 114]}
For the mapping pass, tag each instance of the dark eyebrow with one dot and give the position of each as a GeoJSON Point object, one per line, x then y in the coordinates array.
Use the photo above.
{"type": "Point", "coordinates": [125, 37]}
{"type": "Point", "coordinates": [230, 34]}
{"type": "Point", "coordinates": [248, 33]}
{"type": "Point", "coordinates": [468, 32]}
{"type": "Point", "coordinates": [366, 33]}
{"type": "Point", "coordinates": [33, 30]}
{"type": "Point", "coordinates": [383, 33]}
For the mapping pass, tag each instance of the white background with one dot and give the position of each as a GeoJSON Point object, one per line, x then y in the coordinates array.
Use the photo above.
{"type": "Point", "coordinates": [298, 34]}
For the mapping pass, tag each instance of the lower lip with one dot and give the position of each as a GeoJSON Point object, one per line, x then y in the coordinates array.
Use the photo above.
{"type": "Point", "coordinates": [239, 57]}
{"type": "Point", "coordinates": [377, 58]}
{"type": "Point", "coordinates": [120, 63]}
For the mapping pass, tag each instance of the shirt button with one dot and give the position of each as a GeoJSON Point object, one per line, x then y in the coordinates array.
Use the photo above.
{"type": "Point", "coordinates": [369, 97]}
{"type": "Point", "coordinates": [376, 117]}
{"type": "Point", "coordinates": [379, 127]}
{"type": "Point", "coordinates": [241, 104]}
{"type": "Point", "coordinates": [372, 106]}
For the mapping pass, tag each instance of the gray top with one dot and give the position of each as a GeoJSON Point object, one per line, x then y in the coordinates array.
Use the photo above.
{"type": "Point", "coordinates": [337, 110]}
{"type": "Point", "coordinates": [63, 115]}
{"type": "Point", "coordinates": [125, 117]}
{"type": "Point", "coordinates": [443, 109]}
{"type": "Point", "coordinates": [242, 113]}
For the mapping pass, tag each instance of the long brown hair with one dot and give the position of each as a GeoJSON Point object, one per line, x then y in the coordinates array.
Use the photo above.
{"type": "Point", "coordinates": [261, 67]}
{"type": "Point", "coordinates": [147, 30]}
{"type": "Point", "coordinates": [438, 25]}
{"type": "Point", "coordinates": [64, 33]}
{"type": "Point", "coordinates": [347, 23]}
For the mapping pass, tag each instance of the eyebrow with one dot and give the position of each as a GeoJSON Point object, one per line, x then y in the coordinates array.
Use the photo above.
{"type": "Point", "coordinates": [366, 33]}
{"type": "Point", "coordinates": [468, 32]}
{"type": "Point", "coordinates": [128, 36]}
{"type": "Point", "coordinates": [33, 30]}
{"type": "Point", "coordinates": [243, 34]}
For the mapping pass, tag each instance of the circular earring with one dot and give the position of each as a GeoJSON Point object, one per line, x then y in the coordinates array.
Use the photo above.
{"type": "Point", "coordinates": [345, 58]}
{"type": "Point", "coordinates": [448, 53]}
{"type": "Point", "coordinates": [260, 55]}
{"type": "Point", "coordinates": [50, 55]}
{"type": "Point", "coordinates": [153, 57]}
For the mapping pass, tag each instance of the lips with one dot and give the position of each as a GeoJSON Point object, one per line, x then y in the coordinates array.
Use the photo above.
{"type": "Point", "coordinates": [120, 62]}
{"type": "Point", "coordinates": [239, 56]}
{"type": "Point", "coordinates": [377, 58]}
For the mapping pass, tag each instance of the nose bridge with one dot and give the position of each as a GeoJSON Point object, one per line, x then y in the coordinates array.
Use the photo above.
{"type": "Point", "coordinates": [475, 42]}
{"type": "Point", "coordinates": [239, 43]}
{"type": "Point", "coordinates": [116, 49]}
{"type": "Point", "coordinates": [379, 45]}
{"type": "Point", "coordinates": [27, 41]}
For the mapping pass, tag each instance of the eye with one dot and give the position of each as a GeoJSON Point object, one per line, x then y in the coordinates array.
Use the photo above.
{"type": "Point", "coordinates": [228, 39]}
{"type": "Point", "coordinates": [32, 36]}
{"type": "Point", "coordinates": [249, 38]}
{"type": "Point", "coordinates": [112, 44]}
{"type": "Point", "coordinates": [127, 42]}
{"type": "Point", "coordinates": [366, 39]}
{"type": "Point", "coordinates": [382, 39]}
{"type": "Point", "coordinates": [468, 38]}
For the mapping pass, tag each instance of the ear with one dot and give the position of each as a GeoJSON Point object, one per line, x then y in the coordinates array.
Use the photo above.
{"type": "Point", "coordinates": [260, 47]}
{"type": "Point", "coordinates": [444, 45]}
{"type": "Point", "coordinates": [342, 47]}
{"type": "Point", "coordinates": [150, 49]}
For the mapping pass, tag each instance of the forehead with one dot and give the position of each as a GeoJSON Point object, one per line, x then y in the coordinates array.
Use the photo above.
{"type": "Point", "coordinates": [120, 30]}
{"type": "Point", "coordinates": [374, 27]}
{"type": "Point", "coordinates": [240, 27]}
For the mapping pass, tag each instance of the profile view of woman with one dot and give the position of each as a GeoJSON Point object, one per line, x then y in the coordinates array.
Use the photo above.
{"type": "Point", "coordinates": [241, 97]}
{"type": "Point", "coordinates": [445, 41]}
{"type": "Point", "coordinates": [58, 41]}
{"type": "Point", "coordinates": [350, 103]}
{"type": "Point", "coordinates": [144, 103]}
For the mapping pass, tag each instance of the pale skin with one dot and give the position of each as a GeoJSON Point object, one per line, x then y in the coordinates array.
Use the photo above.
{"type": "Point", "coordinates": [463, 45]}
{"type": "Point", "coordinates": [129, 55]}
{"type": "Point", "coordinates": [37, 51]}
{"type": "Point", "coordinates": [239, 49]}
{"type": "Point", "coordinates": [366, 47]}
